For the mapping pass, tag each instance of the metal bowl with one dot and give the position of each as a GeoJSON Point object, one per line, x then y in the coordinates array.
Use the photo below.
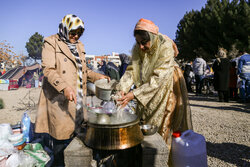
{"type": "Point", "coordinates": [148, 129]}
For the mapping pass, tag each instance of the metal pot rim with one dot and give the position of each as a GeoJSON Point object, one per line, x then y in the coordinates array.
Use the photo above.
{"type": "Point", "coordinates": [98, 85]}
{"type": "Point", "coordinates": [113, 126]}
{"type": "Point", "coordinates": [103, 88]}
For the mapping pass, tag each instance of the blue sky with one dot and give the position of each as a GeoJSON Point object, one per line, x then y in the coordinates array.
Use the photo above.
{"type": "Point", "coordinates": [108, 23]}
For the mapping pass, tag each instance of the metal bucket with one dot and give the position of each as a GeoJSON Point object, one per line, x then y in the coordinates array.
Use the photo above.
{"type": "Point", "coordinates": [103, 94]}
{"type": "Point", "coordinates": [103, 89]}
{"type": "Point", "coordinates": [113, 137]}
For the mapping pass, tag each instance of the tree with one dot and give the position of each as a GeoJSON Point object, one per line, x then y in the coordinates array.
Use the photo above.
{"type": "Point", "coordinates": [23, 58]}
{"type": "Point", "coordinates": [221, 23]}
{"type": "Point", "coordinates": [233, 52]}
{"type": "Point", "coordinates": [34, 46]}
{"type": "Point", "coordinates": [7, 56]}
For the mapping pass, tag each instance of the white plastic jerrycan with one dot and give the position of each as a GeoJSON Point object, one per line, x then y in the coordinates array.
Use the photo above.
{"type": "Point", "coordinates": [189, 150]}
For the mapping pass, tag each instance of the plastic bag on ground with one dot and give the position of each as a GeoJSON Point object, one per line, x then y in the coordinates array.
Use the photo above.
{"type": "Point", "coordinates": [20, 159]}
{"type": "Point", "coordinates": [13, 161]}
{"type": "Point", "coordinates": [27, 160]}
{"type": "Point", "coordinates": [36, 151]}
{"type": "Point", "coordinates": [6, 148]}
{"type": "Point", "coordinates": [5, 131]}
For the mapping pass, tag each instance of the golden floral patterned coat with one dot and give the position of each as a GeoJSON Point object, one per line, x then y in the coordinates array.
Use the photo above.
{"type": "Point", "coordinates": [160, 88]}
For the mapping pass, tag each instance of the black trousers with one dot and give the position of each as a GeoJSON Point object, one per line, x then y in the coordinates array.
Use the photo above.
{"type": "Point", "coordinates": [198, 80]}
{"type": "Point", "coordinates": [223, 96]}
{"type": "Point", "coordinates": [188, 83]}
{"type": "Point", "coordinates": [233, 93]}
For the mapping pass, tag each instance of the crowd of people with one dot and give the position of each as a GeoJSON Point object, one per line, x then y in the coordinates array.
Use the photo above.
{"type": "Point", "coordinates": [110, 69]}
{"type": "Point", "coordinates": [230, 78]}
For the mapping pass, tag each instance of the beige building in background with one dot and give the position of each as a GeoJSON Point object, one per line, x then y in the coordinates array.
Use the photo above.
{"type": "Point", "coordinates": [114, 57]}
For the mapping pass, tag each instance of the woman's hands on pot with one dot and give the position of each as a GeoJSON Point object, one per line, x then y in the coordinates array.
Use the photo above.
{"type": "Point", "coordinates": [123, 101]}
{"type": "Point", "coordinates": [69, 94]}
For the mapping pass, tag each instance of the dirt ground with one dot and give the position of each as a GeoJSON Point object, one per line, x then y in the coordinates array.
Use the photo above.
{"type": "Point", "coordinates": [226, 126]}
{"type": "Point", "coordinates": [17, 102]}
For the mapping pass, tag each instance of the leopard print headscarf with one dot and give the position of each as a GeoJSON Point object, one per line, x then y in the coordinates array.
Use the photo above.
{"type": "Point", "coordinates": [68, 23]}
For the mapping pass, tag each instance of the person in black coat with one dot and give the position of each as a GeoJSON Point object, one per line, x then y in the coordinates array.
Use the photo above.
{"type": "Point", "coordinates": [102, 66]}
{"type": "Point", "coordinates": [112, 71]}
{"type": "Point", "coordinates": [221, 68]}
{"type": "Point", "coordinates": [188, 79]}
{"type": "Point", "coordinates": [125, 61]}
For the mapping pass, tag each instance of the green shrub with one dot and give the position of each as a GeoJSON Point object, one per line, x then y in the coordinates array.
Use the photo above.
{"type": "Point", "coordinates": [1, 104]}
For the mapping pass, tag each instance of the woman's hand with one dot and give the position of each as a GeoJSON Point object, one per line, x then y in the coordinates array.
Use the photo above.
{"type": "Point", "coordinates": [69, 94]}
{"type": "Point", "coordinates": [104, 77]}
{"type": "Point", "coordinates": [125, 98]}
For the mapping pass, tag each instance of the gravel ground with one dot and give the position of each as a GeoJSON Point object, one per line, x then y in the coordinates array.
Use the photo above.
{"type": "Point", "coordinates": [226, 126]}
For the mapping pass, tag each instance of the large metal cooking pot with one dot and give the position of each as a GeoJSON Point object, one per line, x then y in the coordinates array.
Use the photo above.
{"type": "Point", "coordinates": [113, 137]}
{"type": "Point", "coordinates": [103, 89]}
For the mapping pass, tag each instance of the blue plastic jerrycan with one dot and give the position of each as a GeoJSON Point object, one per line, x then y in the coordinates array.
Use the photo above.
{"type": "Point", "coordinates": [189, 150]}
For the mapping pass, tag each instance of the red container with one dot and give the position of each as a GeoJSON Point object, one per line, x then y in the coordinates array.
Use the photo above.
{"type": "Point", "coordinates": [13, 84]}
